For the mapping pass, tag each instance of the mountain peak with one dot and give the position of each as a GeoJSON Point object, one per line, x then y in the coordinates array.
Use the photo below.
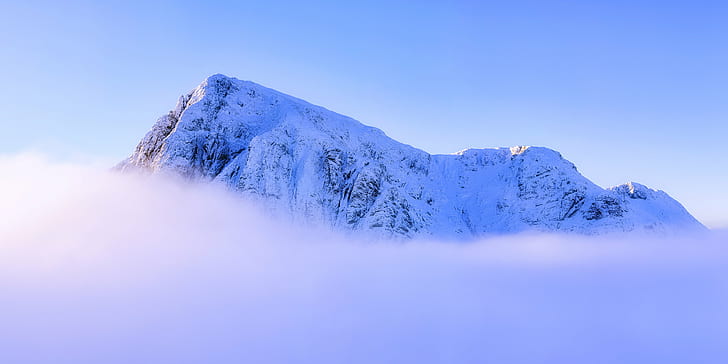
{"type": "Point", "coordinates": [219, 83]}
{"type": "Point", "coordinates": [218, 77]}
{"type": "Point", "coordinates": [313, 164]}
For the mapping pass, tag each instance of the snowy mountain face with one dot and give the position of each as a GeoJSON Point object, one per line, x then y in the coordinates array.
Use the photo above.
{"type": "Point", "coordinates": [318, 166]}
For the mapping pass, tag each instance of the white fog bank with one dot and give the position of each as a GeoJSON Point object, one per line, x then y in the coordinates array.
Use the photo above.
{"type": "Point", "coordinates": [98, 267]}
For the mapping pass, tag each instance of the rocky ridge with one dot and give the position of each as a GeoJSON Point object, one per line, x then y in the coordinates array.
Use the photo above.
{"type": "Point", "coordinates": [318, 166]}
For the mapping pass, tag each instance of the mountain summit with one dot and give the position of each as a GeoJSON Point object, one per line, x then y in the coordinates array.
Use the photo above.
{"type": "Point", "coordinates": [320, 166]}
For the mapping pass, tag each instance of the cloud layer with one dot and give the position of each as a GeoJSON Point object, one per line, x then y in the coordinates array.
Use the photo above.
{"type": "Point", "coordinates": [97, 267]}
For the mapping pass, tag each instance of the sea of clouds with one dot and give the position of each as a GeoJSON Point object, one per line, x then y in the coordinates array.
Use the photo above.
{"type": "Point", "coordinates": [99, 267]}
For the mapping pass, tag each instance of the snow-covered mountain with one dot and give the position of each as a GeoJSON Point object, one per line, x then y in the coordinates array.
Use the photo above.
{"type": "Point", "coordinates": [323, 167]}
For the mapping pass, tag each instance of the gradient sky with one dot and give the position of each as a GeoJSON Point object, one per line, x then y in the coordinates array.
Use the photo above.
{"type": "Point", "coordinates": [627, 90]}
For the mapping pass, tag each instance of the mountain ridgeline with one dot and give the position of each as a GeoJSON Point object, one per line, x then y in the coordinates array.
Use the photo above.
{"type": "Point", "coordinates": [319, 166]}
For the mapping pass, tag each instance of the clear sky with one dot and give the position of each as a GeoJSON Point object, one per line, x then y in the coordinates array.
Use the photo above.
{"type": "Point", "coordinates": [627, 90]}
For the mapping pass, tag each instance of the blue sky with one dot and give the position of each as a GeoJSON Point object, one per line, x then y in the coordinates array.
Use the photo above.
{"type": "Point", "coordinates": [627, 90]}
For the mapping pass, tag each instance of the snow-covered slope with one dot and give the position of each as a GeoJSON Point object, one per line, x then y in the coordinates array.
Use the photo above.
{"type": "Point", "coordinates": [319, 166]}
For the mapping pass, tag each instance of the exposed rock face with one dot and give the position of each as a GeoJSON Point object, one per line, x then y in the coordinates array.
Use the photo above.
{"type": "Point", "coordinates": [319, 166]}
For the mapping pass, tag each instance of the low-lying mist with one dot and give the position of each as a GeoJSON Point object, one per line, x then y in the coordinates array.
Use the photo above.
{"type": "Point", "coordinates": [99, 267]}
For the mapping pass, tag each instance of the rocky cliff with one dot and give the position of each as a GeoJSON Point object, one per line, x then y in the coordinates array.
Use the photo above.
{"type": "Point", "coordinates": [318, 166]}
